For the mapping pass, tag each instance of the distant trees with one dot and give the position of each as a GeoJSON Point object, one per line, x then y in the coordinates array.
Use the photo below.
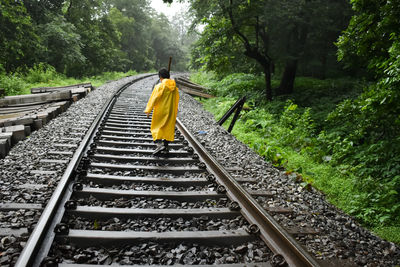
{"type": "Point", "coordinates": [85, 37]}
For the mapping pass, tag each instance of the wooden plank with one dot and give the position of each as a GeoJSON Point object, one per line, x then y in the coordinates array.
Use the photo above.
{"type": "Point", "coordinates": [302, 230]}
{"type": "Point", "coordinates": [32, 186]}
{"type": "Point", "coordinates": [191, 85]}
{"type": "Point", "coordinates": [280, 210]}
{"type": "Point", "coordinates": [13, 232]}
{"type": "Point", "coordinates": [17, 110]}
{"type": "Point", "coordinates": [196, 93]}
{"type": "Point", "coordinates": [87, 86]}
{"type": "Point", "coordinates": [18, 133]}
{"type": "Point", "coordinates": [35, 98]}
{"type": "Point", "coordinates": [56, 152]}
{"type": "Point", "coordinates": [54, 161]}
{"type": "Point", "coordinates": [19, 206]}
{"type": "Point", "coordinates": [4, 148]}
{"type": "Point", "coordinates": [40, 172]}
{"type": "Point", "coordinates": [21, 120]}
{"type": "Point", "coordinates": [8, 137]}
{"type": "Point", "coordinates": [164, 169]}
{"type": "Point", "coordinates": [260, 193]}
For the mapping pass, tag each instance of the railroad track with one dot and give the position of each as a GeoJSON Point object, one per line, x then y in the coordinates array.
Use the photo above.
{"type": "Point", "coordinates": [117, 203]}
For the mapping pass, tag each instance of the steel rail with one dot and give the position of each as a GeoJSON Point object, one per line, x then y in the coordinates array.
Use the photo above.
{"type": "Point", "coordinates": [277, 238]}
{"type": "Point", "coordinates": [40, 240]}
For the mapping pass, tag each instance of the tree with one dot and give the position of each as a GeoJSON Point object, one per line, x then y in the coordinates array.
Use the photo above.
{"type": "Point", "coordinates": [184, 37]}
{"type": "Point", "coordinates": [86, 37]}
{"type": "Point", "coordinates": [41, 11]}
{"type": "Point", "coordinates": [98, 35]}
{"type": "Point", "coordinates": [273, 33]}
{"type": "Point", "coordinates": [242, 21]}
{"type": "Point", "coordinates": [19, 45]}
{"type": "Point", "coordinates": [368, 136]}
{"type": "Point", "coordinates": [135, 33]}
{"type": "Point", "coordinates": [63, 44]}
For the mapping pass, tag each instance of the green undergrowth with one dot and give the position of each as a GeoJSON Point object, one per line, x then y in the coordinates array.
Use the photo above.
{"type": "Point", "coordinates": [42, 75]}
{"type": "Point", "coordinates": [294, 132]}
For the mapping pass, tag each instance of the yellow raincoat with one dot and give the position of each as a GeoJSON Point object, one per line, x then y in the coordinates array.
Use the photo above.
{"type": "Point", "coordinates": [164, 99]}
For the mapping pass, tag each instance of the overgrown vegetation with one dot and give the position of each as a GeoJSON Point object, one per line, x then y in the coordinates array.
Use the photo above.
{"type": "Point", "coordinates": [42, 75]}
{"type": "Point", "coordinates": [300, 132]}
{"type": "Point", "coordinates": [341, 135]}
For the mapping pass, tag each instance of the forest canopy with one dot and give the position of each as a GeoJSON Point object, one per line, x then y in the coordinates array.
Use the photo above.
{"type": "Point", "coordinates": [86, 37]}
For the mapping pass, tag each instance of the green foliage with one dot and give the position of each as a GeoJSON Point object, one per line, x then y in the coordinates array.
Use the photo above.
{"type": "Point", "coordinates": [63, 44]}
{"type": "Point", "coordinates": [369, 36]}
{"type": "Point", "coordinates": [84, 38]}
{"type": "Point", "coordinates": [19, 45]}
{"type": "Point", "coordinates": [344, 156]}
{"type": "Point", "coordinates": [363, 134]}
{"type": "Point", "coordinates": [41, 73]}
{"type": "Point", "coordinates": [241, 84]}
{"type": "Point", "coordinates": [13, 84]}
{"type": "Point", "coordinates": [257, 36]}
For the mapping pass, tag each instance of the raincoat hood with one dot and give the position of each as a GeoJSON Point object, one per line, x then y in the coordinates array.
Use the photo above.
{"type": "Point", "coordinates": [169, 84]}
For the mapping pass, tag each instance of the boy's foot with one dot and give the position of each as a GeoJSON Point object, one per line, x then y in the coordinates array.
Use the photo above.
{"type": "Point", "coordinates": [160, 149]}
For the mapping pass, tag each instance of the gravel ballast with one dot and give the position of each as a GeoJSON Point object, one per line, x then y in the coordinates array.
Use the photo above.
{"type": "Point", "coordinates": [25, 179]}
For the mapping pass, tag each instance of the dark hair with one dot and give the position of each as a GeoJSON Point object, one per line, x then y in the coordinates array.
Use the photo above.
{"type": "Point", "coordinates": [163, 73]}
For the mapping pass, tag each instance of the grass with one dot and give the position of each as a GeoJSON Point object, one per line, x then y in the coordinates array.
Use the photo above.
{"type": "Point", "coordinates": [45, 76]}
{"type": "Point", "coordinates": [269, 131]}
{"type": "Point", "coordinates": [391, 233]}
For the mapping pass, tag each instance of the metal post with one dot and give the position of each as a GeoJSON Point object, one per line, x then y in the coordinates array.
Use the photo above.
{"type": "Point", "coordinates": [238, 107]}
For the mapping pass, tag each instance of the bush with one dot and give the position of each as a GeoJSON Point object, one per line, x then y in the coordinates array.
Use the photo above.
{"type": "Point", "coordinates": [241, 84]}
{"type": "Point", "coordinates": [235, 85]}
{"type": "Point", "coordinates": [42, 73]}
{"type": "Point", "coordinates": [13, 84]}
{"type": "Point", "coordinates": [353, 161]}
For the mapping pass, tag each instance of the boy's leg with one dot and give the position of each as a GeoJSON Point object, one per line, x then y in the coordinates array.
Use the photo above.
{"type": "Point", "coordinates": [161, 147]}
{"type": "Point", "coordinates": [166, 143]}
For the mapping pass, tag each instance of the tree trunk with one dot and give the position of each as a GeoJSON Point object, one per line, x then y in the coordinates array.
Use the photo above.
{"type": "Point", "coordinates": [322, 74]}
{"type": "Point", "coordinates": [268, 88]}
{"type": "Point", "coordinates": [289, 75]}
